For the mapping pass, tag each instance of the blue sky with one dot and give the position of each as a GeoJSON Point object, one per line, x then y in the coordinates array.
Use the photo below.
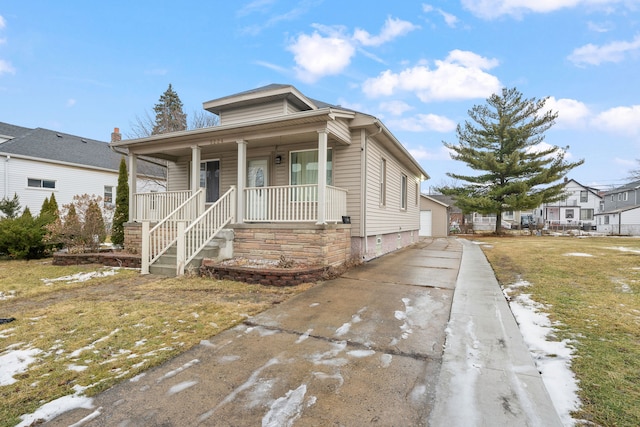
{"type": "Point", "coordinates": [86, 67]}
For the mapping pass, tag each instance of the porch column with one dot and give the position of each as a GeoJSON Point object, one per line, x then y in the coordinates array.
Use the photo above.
{"type": "Point", "coordinates": [242, 179]}
{"type": "Point", "coordinates": [194, 185]}
{"type": "Point", "coordinates": [133, 182]}
{"type": "Point", "coordinates": [322, 175]}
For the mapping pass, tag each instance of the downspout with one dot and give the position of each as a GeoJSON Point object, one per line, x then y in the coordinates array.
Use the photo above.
{"type": "Point", "coordinates": [364, 183]}
{"type": "Point", "coordinates": [6, 177]}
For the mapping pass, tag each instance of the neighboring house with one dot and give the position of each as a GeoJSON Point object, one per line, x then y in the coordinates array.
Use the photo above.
{"type": "Point", "coordinates": [35, 163]}
{"type": "Point", "coordinates": [620, 211]}
{"type": "Point", "coordinates": [291, 176]}
{"type": "Point", "coordinates": [578, 209]}
{"type": "Point", "coordinates": [434, 217]}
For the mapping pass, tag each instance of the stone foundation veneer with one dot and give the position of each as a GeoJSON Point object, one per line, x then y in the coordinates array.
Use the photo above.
{"type": "Point", "coordinates": [321, 245]}
{"type": "Point", "coordinates": [311, 244]}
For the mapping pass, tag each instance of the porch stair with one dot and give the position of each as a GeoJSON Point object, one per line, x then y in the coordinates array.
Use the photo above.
{"type": "Point", "coordinates": [220, 247]}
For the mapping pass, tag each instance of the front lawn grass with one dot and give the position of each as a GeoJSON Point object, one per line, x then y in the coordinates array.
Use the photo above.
{"type": "Point", "coordinates": [92, 334]}
{"type": "Point", "coordinates": [591, 287]}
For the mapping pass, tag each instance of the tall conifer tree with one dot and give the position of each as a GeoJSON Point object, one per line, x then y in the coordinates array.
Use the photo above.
{"type": "Point", "coordinates": [169, 114]}
{"type": "Point", "coordinates": [514, 170]}
{"type": "Point", "coordinates": [121, 214]}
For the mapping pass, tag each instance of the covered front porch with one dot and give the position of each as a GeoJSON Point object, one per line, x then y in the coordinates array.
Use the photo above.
{"type": "Point", "coordinates": [183, 222]}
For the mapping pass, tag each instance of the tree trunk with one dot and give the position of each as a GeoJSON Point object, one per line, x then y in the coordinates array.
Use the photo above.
{"type": "Point", "coordinates": [499, 223]}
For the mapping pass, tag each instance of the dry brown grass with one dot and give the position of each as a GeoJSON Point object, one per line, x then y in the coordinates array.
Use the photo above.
{"type": "Point", "coordinates": [96, 333]}
{"type": "Point", "coordinates": [596, 301]}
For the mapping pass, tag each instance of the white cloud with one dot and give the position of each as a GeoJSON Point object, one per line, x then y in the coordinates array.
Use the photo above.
{"type": "Point", "coordinates": [424, 122]}
{"type": "Point", "coordinates": [603, 27]}
{"type": "Point", "coordinates": [616, 51]}
{"type": "Point", "coordinates": [3, 22]}
{"type": "Point", "coordinates": [449, 19]}
{"type": "Point", "coordinates": [544, 146]}
{"type": "Point", "coordinates": [396, 108]}
{"type": "Point", "coordinates": [623, 120]}
{"type": "Point", "coordinates": [489, 9]}
{"type": "Point", "coordinates": [71, 102]}
{"type": "Point", "coordinates": [328, 51]}
{"type": "Point", "coordinates": [391, 29]}
{"type": "Point", "coordinates": [571, 113]}
{"type": "Point", "coordinates": [459, 76]}
{"type": "Point", "coordinates": [6, 67]}
{"type": "Point", "coordinates": [421, 153]}
{"type": "Point", "coordinates": [317, 56]}
{"type": "Point", "coordinates": [271, 66]}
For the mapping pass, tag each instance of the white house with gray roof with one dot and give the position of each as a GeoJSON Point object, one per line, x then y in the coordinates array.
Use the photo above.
{"type": "Point", "coordinates": [34, 163]}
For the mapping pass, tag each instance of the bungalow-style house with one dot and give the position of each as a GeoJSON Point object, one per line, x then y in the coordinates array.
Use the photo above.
{"type": "Point", "coordinates": [35, 163]}
{"type": "Point", "coordinates": [435, 217]}
{"type": "Point", "coordinates": [577, 209]}
{"type": "Point", "coordinates": [290, 176]}
{"type": "Point", "coordinates": [620, 211]}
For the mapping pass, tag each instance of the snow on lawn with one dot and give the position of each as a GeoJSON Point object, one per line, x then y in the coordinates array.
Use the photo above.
{"type": "Point", "coordinates": [14, 362]}
{"type": "Point", "coordinates": [552, 358]}
{"type": "Point", "coordinates": [50, 410]}
{"type": "Point", "coordinates": [623, 249]}
{"type": "Point", "coordinates": [578, 254]}
{"type": "Point", "coordinates": [82, 276]}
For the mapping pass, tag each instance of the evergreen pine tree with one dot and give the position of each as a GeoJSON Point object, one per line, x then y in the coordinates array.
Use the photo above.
{"type": "Point", "coordinates": [503, 145]}
{"type": "Point", "coordinates": [121, 214]}
{"type": "Point", "coordinates": [169, 114]}
{"type": "Point", "coordinates": [10, 207]}
{"type": "Point", "coordinates": [93, 228]}
{"type": "Point", "coordinates": [53, 206]}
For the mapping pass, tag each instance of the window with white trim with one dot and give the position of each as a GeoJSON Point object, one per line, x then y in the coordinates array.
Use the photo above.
{"type": "Point", "coordinates": [383, 182]}
{"type": "Point", "coordinates": [584, 196]}
{"type": "Point", "coordinates": [403, 192]}
{"type": "Point", "coordinates": [41, 183]}
{"type": "Point", "coordinates": [108, 194]}
{"type": "Point", "coordinates": [586, 214]}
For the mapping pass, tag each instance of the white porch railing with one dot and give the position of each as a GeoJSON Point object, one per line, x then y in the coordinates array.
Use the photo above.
{"type": "Point", "coordinates": [204, 228]}
{"type": "Point", "coordinates": [157, 206]}
{"type": "Point", "coordinates": [292, 203]}
{"type": "Point", "coordinates": [157, 240]}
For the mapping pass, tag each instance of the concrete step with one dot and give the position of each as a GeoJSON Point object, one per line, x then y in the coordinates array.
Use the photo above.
{"type": "Point", "coordinates": [166, 264]}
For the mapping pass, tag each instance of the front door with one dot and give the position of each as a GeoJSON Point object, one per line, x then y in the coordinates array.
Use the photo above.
{"type": "Point", "coordinates": [257, 177]}
{"type": "Point", "coordinates": [210, 179]}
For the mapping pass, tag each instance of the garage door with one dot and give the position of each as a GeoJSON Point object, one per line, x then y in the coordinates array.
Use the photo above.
{"type": "Point", "coordinates": [425, 223]}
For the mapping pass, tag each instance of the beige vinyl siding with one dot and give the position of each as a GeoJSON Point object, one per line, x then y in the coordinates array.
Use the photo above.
{"type": "Point", "coordinates": [391, 217]}
{"type": "Point", "coordinates": [252, 113]}
{"type": "Point", "coordinates": [290, 108]}
{"type": "Point", "coordinates": [340, 128]}
{"type": "Point", "coordinates": [347, 174]}
{"type": "Point", "coordinates": [178, 175]}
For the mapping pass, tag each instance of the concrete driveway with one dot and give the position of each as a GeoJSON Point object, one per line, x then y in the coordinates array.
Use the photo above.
{"type": "Point", "coordinates": [364, 349]}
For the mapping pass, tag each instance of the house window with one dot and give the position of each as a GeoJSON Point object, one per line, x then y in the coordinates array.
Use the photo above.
{"type": "Point", "coordinates": [383, 182]}
{"type": "Point", "coordinates": [606, 219]}
{"type": "Point", "coordinates": [625, 196]}
{"type": "Point", "coordinates": [108, 194]}
{"type": "Point", "coordinates": [613, 197]}
{"type": "Point", "coordinates": [586, 214]}
{"type": "Point", "coordinates": [568, 214]}
{"type": "Point", "coordinates": [619, 196]}
{"type": "Point", "coordinates": [403, 192]}
{"type": "Point", "coordinates": [304, 167]}
{"type": "Point", "coordinates": [40, 183]}
{"type": "Point", "coordinates": [584, 196]}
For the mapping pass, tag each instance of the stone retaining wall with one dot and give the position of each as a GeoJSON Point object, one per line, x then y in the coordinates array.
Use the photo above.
{"type": "Point", "coordinates": [262, 276]}
{"type": "Point", "coordinates": [110, 259]}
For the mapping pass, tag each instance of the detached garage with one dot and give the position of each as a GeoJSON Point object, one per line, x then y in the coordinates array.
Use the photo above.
{"type": "Point", "coordinates": [434, 217]}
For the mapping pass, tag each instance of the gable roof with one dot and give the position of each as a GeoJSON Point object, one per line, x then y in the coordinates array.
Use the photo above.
{"type": "Point", "coordinates": [311, 110]}
{"type": "Point", "coordinates": [592, 190]}
{"type": "Point", "coordinates": [433, 199]}
{"type": "Point", "coordinates": [633, 185]}
{"type": "Point", "coordinates": [59, 147]}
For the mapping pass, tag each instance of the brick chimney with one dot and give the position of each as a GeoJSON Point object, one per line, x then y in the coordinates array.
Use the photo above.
{"type": "Point", "coordinates": [116, 135]}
